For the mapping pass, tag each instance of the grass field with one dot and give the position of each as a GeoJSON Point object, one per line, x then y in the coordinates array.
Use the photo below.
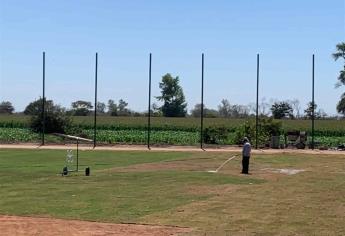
{"type": "Point", "coordinates": [174, 188]}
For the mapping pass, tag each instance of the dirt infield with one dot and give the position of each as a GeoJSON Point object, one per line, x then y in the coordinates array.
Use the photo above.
{"type": "Point", "coordinates": [16, 225]}
{"type": "Point", "coordinates": [171, 148]}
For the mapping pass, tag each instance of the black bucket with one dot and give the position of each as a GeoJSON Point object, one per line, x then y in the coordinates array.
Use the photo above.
{"type": "Point", "coordinates": [87, 171]}
{"type": "Point", "coordinates": [65, 171]}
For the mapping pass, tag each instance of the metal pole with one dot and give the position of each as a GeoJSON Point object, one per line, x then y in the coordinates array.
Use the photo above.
{"type": "Point", "coordinates": [77, 155]}
{"type": "Point", "coordinates": [149, 111]}
{"type": "Point", "coordinates": [257, 101]}
{"type": "Point", "coordinates": [95, 113]}
{"type": "Point", "coordinates": [313, 105]}
{"type": "Point", "coordinates": [202, 104]}
{"type": "Point", "coordinates": [43, 98]}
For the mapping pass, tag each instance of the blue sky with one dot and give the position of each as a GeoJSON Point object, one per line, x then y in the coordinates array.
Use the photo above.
{"type": "Point", "coordinates": [230, 33]}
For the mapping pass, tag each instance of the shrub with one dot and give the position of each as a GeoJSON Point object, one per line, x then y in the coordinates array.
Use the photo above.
{"type": "Point", "coordinates": [56, 120]}
{"type": "Point", "coordinates": [267, 128]}
{"type": "Point", "coordinates": [215, 135]}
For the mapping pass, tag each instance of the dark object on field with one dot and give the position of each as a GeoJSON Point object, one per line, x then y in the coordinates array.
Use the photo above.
{"type": "Point", "coordinates": [341, 147]}
{"type": "Point", "coordinates": [65, 171]}
{"type": "Point", "coordinates": [296, 139]}
{"type": "Point", "coordinates": [87, 171]}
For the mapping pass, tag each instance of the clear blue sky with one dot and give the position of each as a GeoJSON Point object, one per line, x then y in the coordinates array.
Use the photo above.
{"type": "Point", "coordinates": [124, 32]}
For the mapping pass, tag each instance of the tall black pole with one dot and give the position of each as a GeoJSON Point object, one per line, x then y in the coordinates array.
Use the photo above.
{"type": "Point", "coordinates": [313, 105]}
{"type": "Point", "coordinates": [149, 110]}
{"type": "Point", "coordinates": [95, 113]}
{"type": "Point", "coordinates": [44, 98]}
{"type": "Point", "coordinates": [202, 104]}
{"type": "Point", "coordinates": [257, 101]}
{"type": "Point", "coordinates": [77, 154]}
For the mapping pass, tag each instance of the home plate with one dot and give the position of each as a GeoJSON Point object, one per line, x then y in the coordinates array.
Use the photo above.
{"type": "Point", "coordinates": [289, 171]}
{"type": "Point", "coordinates": [286, 171]}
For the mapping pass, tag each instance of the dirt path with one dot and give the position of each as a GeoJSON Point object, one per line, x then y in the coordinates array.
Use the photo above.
{"type": "Point", "coordinates": [171, 148]}
{"type": "Point", "coordinates": [16, 225]}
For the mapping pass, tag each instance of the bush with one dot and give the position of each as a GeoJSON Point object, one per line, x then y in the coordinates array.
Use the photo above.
{"type": "Point", "coordinates": [267, 128]}
{"type": "Point", "coordinates": [56, 120]}
{"type": "Point", "coordinates": [215, 135]}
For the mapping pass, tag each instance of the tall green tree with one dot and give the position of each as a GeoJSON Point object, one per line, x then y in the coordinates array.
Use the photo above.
{"type": "Point", "coordinates": [56, 119]}
{"type": "Point", "coordinates": [35, 107]}
{"type": "Point", "coordinates": [174, 104]}
{"type": "Point", "coordinates": [281, 110]}
{"type": "Point", "coordinates": [123, 110]}
{"type": "Point", "coordinates": [112, 107]}
{"type": "Point", "coordinates": [341, 105]}
{"type": "Point", "coordinates": [340, 54]}
{"type": "Point", "coordinates": [318, 114]}
{"type": "Point", "coordinates": [309, 110]}
{"type": "Point", "coordinates": [81, 108]}
{"type": "Point", "coordinates": [6, 107]}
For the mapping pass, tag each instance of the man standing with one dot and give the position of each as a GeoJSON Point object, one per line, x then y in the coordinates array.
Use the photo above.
{"type": "Point", "coordinates": [246, 155]}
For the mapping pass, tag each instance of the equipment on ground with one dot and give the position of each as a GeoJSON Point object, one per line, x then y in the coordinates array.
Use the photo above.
{"type": "Point", "coordinates": [69, 157]}
{"type": "Point", "coordinates": [296, 139]}
{"type": "Point", "coordinates": [221, 166]}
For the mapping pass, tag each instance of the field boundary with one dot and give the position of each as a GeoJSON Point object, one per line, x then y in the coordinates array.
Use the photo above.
{"type": "Point", "coordinates": [169, 149]}
{"type": "Point", "coordinates": [33, 225]}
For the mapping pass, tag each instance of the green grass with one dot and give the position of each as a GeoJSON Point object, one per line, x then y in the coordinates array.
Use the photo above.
{"type": "Point", "coordinates": [30, 185]}
{"type": "Point", "coordinates": [173, 188]}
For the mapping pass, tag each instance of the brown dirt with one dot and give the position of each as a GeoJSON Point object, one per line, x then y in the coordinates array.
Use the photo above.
{"type": "Point", "coordinates": [16, 225]}
{"type": "Point", "coordinates": [169, 148]}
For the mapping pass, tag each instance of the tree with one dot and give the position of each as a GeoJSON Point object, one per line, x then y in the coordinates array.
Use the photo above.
{"type": "Point", "coordinates": [209, 113]}
{"type": "Point", "coordinates": [6, 107]}
{"type": "Point", "coordinates": [224, 109]}
{"type": "Point", "coordinates": [123, 110]}
{"type": "Point", "coordinates": [100, 107]}
{"type": "Point", "coordinates": [341, 105]}
{"type": "Point", "coordinates": [112, 107]}
{"type": "Point", "coordinates": [81, 108]}
{"type": "Point", "coordinates": [318, 114]}
{"type": "Point", "coordinates": [340, 54]}
{"type": "Point", "coordinates": [122, 105]}
{"type": "Point", "coordinates": [119, 109]}
{"type": "Point", "coordinates": [309, 110]}
{"type": "Point", "coordinates": [281, 110]}
{"type": "Point", "coordinates": [35, 107]}
{"type": "Point", "coordinates": [56, 120]}
{"type": "Point", "coordinates": [174, 104]}
{"type": "Point", "coordinates": [239, 111]}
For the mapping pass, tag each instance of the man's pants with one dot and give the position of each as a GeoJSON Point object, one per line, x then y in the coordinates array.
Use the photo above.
{"type": "Point", "coordinates": [245, 165]}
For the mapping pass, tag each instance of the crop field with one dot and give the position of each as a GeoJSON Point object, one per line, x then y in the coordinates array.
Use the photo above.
{"type": "Point", "coordinates": [166, 131]}
{"type": "Point", "coordinates": [286, 194]}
